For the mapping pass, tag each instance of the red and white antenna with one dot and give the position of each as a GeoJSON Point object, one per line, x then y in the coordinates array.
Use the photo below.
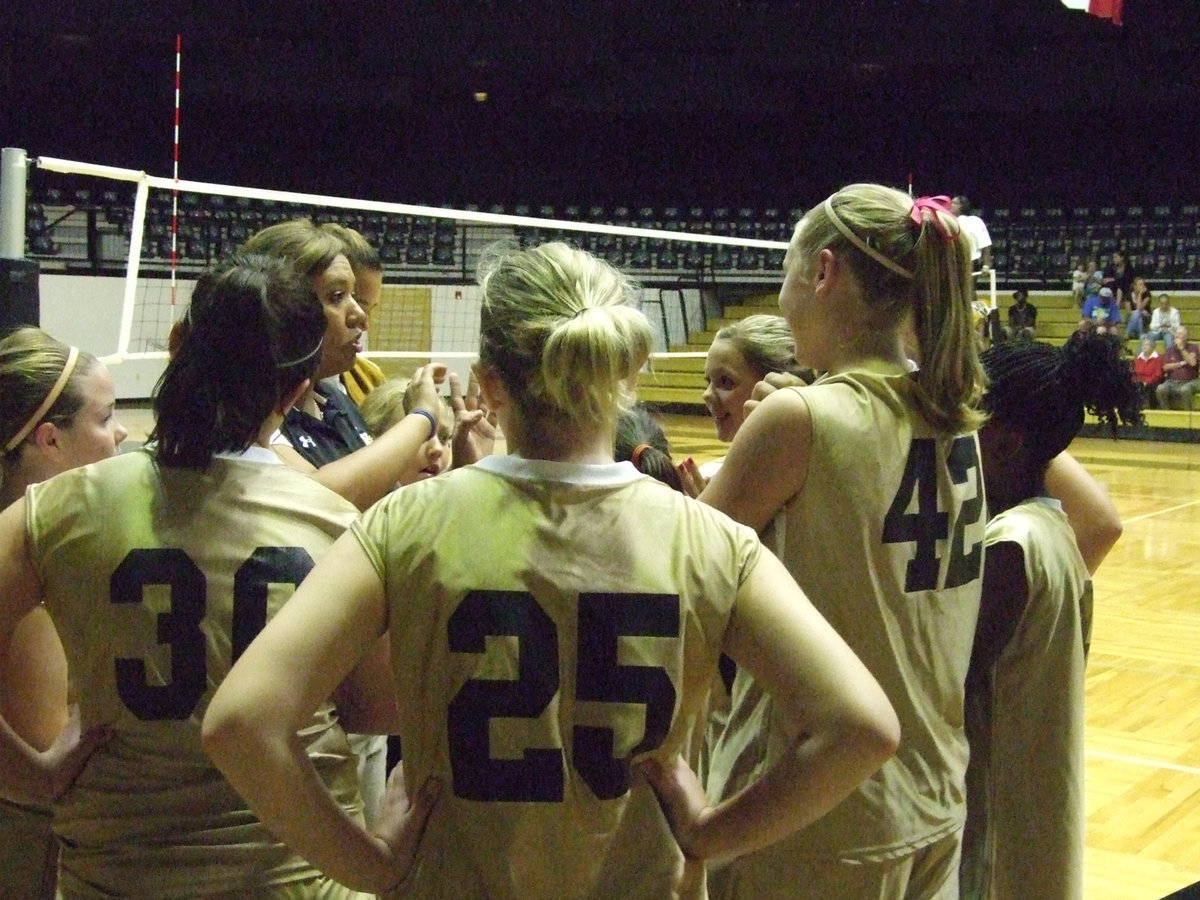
{"type": "Point", "coordinates": [175, 174]}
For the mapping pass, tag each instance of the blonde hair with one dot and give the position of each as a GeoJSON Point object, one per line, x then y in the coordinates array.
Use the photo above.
{"type": "Point", "coordinates": [385, 405]}
{"type": "Point", "coordinates": [765, 342]}
{"type": "Point", "coordinates": [559, 328]}
{"type": "Point", "coordinates": [31, 362]}
{"type": "Point", "coordinates": [927, 272]}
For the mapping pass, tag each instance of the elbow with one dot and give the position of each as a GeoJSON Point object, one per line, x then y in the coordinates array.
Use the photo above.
{"type": "Point", "coordinates": [872, 733]}
{"type": "Point", "coordinates": [223, 735]}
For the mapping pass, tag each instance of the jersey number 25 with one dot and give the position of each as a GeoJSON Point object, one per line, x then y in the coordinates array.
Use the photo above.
{"type": "Point", "coordinates": [538, 775]}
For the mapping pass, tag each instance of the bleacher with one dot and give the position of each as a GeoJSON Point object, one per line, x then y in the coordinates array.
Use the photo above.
{"type": "Point", "coordinates": [82, 229]}
{"type": "Point", "coordinates": [1032, 247]}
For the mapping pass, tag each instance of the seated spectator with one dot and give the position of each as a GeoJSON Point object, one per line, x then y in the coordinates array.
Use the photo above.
{"type": "Point", "coordinates": [1101, 313]}
{"type": "Point", "coordinates": [1079, 277]}
{"type": "Point", "coordinates": [1139, 308]}
{"type": "Point", "coordinates": [1022, 317]}
{"type": "Point", "coordinates": [1148, 371]}
{"type": "Point", "coordinates": [1179, 364]}
{"type": "Point", "coordinates": [1093, 282]}
{"type": "Point", "coordinates": [1163, 321]}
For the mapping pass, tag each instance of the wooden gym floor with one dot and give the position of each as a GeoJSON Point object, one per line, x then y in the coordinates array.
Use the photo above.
{"type": "Point", "coordinates": [1143, 677]}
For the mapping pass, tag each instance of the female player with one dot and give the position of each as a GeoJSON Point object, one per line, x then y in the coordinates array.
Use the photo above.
{"type": "Point", "coordinates": [740, 356]}
{"type": "Point", "coordinates": [870, 482]}
{"type": "Point", "coordinates": [56, 412]}
{"type": "Point", "coordinates": [1025, 688]}
{"type": "Point", "coordinates": [555, 620]}
{"type": "Point", "coordinates": [158, 568]}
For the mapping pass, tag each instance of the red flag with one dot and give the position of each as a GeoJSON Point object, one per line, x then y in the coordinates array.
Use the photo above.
{"type": "Point", "coordinates": [1107, 9]}
{"type": "Point", "coordinates": [1104, 9]}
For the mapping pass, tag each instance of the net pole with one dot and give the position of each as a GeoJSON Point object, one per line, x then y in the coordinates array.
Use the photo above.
{"type": "Point", "coordinates": [175, 174]}
{"type": "Point", "coordinates": [13, 164]}
{"type": "Point", "coordinates": [136, 229]}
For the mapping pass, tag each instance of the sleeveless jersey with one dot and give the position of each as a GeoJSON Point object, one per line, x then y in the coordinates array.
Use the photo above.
{"type": "Point", "coordinates": [1025, 721]}
{"type": "Point", "coordinates": [886, 538]}
{"type": "Point", "coordinates": [156, 580]}
{"type": "Point", "coordinates": [28, 852]}
{"type": "Point", "coordinates": [550, 622]}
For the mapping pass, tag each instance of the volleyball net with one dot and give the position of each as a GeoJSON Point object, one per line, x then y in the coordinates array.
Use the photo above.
{"type": "Point", "coordinates": [159, 233]}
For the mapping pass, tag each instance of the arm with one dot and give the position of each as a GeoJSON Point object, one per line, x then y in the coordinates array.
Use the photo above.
{"type": "Point", "coordinates": [301, 657]}
{"type": "Point", "coordinates": [767, 462]}
{"type": "Point", "coordinates": [1005, 596]}
{"type": "Point", "coordinates": [845, 726]}
{"type": "Point", "coordinates": [25, 774]}
{"type": "Point", "coordinates": [1093, 516]}
{"type": "Point", "coordinates": [367, 474]}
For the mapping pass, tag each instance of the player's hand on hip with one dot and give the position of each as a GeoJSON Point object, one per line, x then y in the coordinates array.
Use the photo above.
{"type": "Point", "coordinates": [401, 822]}
{"type": "Point", "coordinates": [682, 799]}
{"type": "Point", "coordinates": [70, 752]}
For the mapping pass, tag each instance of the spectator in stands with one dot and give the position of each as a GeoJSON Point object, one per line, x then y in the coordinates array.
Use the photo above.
{"type": "Point", "coordinates": [1118, 275]}
{"type": "Point", "coordinates": [1148, 371]}
{"type": "Point", "coordinates": [979, 239]}
{"type": "Point", "coordinates": [1093, 282]}
{"type": "Point", "coordinates": [1101, 313]}
{"type": "Point", "coordinates": [1022, 317]}
{"type": "Point", "coordinates": [1139, 308]}
{"type": "Point", "coordinates": [1179, 366]}
{"type": "Point", "coordinates": [1079, 277]}
{"type": "Point", "coordinates": [1164, 321]}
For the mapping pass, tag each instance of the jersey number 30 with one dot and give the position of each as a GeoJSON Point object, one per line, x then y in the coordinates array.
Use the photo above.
{"type": "Point", "coordinates": [538, 774]}
{"type": "Point", "coordinates": [180, 626]}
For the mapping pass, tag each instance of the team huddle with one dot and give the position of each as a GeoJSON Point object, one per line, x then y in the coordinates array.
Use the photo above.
{"type": "Point", "coordinates": [805, 673]}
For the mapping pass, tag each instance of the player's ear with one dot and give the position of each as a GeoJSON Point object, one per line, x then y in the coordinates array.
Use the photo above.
{"type": "Point", "coordinates": [491, 387]}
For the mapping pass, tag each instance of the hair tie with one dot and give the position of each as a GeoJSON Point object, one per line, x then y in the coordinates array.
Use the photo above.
{"type": "Point", "coordinates": [636, 456]}
{"type": "Point", "coordinates": [933, 205]}
{"type": "Point", "coordinates": [862, 245]}
{"type": "Point", "coordinates": [63, 377]}
{"type": "Point", "coordinates": [305, 358]}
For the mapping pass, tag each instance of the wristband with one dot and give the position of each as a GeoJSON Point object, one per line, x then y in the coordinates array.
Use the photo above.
{"type": "Point", "coordinates": [432, 421]}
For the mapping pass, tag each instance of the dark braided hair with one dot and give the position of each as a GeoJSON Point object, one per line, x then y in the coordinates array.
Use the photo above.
{"type": "Point", "coordinates": [635, 426]}
{"type": "Point", "coordinates": [1044, 390]}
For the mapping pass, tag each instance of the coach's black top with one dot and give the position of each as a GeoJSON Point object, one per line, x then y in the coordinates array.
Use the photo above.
{"type": "Point", "coordinates": [339, 432]}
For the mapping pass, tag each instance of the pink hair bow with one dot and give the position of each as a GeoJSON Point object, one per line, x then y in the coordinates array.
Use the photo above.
{"type": "Point", "coordinates": [933, 205]}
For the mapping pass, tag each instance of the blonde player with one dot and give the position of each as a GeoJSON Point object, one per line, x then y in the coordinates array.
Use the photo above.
{"type": "Point", "coordinates": [555, 621]}
{"type": "Point", "coordinates": [158, 568]}
{"type": "Point", "coordinates": [57, 411]}
{"type": "Point", "coordinates": [868, 483]}
{"type": "Point", "coordinates": [1025, 687]}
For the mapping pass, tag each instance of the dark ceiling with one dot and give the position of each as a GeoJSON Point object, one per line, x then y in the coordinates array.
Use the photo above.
{"type": "Point", "coordinates": [763, 102]}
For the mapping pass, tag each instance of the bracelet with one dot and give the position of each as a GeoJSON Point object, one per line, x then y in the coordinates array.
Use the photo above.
{"type": "Point", "coordinates": [432, 421]}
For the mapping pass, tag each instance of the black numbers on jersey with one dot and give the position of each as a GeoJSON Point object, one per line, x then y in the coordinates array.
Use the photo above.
{"type": "Point", "coordinates": [537, 776]}
{"type": "Point", "coordinates": [928, 524]}
{"type": "Point", "coordinates": [179, 627]}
